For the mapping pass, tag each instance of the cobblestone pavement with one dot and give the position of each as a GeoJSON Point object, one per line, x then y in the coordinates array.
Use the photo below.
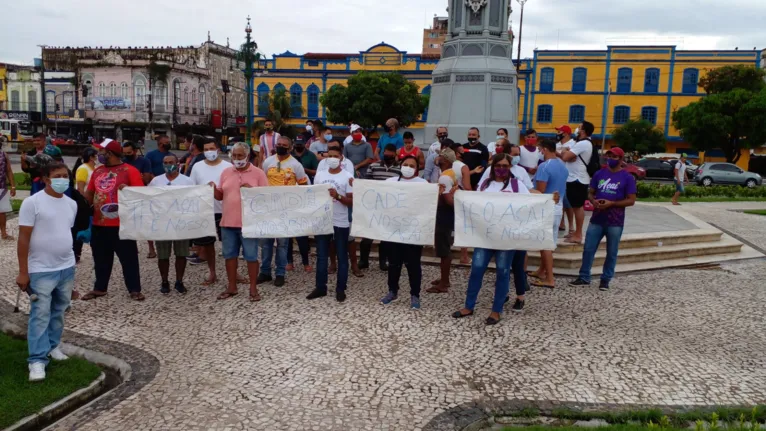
{"type": "Point", "coordinates": [679, 337]}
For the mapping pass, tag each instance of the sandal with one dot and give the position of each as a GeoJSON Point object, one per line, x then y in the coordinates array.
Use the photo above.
{"type": "Point", "coordinates": [227, 295]}
{"type": "Point", "coordinates": [255, 298]}
{"type": "Point", "coordinates": [491, 321]}
{"type": "Point", "coordinates": [437, 290]}
{"type": "Point", "coordinates": [137, 296]}
{"type": "Point", "coordinates": [151, 255]}
{"type": "Point", "coordinates": [358, 274]}
{"type": "Point", "coordinates": [210, 282]}
{"type": "Point", "coordinates": [75, 295]}
{"type": "Point", "coordinates": [7, 237]}
{"type": "Point", "coordinates": [539, 283]}
{"type": "Point", "coordinates": [308, 268]}
{"type": "Point", "coordinates": [573, 241]}
{"type": "Point", "coordinates": [92, 295]}
{"type": "Point", "coordinates": [459, 315]}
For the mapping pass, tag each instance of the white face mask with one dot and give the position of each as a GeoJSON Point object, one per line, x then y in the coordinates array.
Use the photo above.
{"type": "Point", "coordinates": [333, 163]}
{"type": "Point", "coordinates": [239, 164]}
{"type": "Point", "coordinates": [309, 128]}
{"type": "Point", "coordinates": [499, 137]}
{"type": "Point", "coordinates": [211, 155]}
{"type": "Point", "coordinates": [408, 171]}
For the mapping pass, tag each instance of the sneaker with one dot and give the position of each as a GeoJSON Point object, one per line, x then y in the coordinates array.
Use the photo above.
{"type": "Point", "coordinates": [415, 302]}
{"type": "Point", "coordinates": [579, 283]}
{"type": "Point", "coordinates": [316, 293]}
{"type": "Point", "coordinates": [180, 288]}
{"type": "Point", "coordinates": [340, 295]}
{"type": "Point", "coordinates": [263, 278]}
{"type": "Point", "coordinates": [604, 286]}
{"type": "Point", "coordinates": [364, 265]}
{"type": "Point", "coordinates": [165, 289]}
{"type": "Point", "coordinates": [384, 267]}
{"type": "Point", "coordinates": [193, 256]}
{"type": "Point", "coordinates": [389, 298]}
{"type": "Point", "coordinates": [195, 261]}
{"type": "Point", "coordinates": [279, 281]}
{"type": "Point", "coordinates": [57, 355]}
{"type": "Point", "coordinates": [518, 306]}
{"type": "Point", "coordinates": [36, 372]}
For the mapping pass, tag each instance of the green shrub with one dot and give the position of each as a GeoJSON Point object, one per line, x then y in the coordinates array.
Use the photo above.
{"type": "Point", "coordinates": [656, 190]}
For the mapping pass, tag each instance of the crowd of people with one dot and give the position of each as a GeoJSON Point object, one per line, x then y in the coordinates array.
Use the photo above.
{"type": "Point", "coordinates": [68, 210]}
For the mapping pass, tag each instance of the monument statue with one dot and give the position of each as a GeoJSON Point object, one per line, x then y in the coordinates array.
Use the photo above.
{"type": "Point", "coordinates": [474, 84]}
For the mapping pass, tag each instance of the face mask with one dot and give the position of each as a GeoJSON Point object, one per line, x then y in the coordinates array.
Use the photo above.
{"type": "Point", "coordinates": [102, 159]}
{"type": "Point", "coordinates": [612, 163]}
{"type": "Point", "coordinates": [502, 173]}
{"type": "Point", "coordinates": [299, 148]}
{"type": "Point", "coordinates": [442, 137]}
{"type": "Point", "coordinates": [239, 164]}
{"type": "Point", "coordinates": [269, 128]}
{"type": "Point", "coordinates": [515, 160]}
{"type": "Point", "coordinates": [388, 159]}
{"type": "Point", "coordinates": [59, 185]}
{"type": "Point", "coordinates": [356, 136]}
{"type": "Point", "coordinates": [211, 155]}
{"type": "Point", "coordinates": [281, 151]}
{"type": "Point", "coordinates": [577, 132]}
{"type": "Point", "coordinates": [309, 128]}
{"type": "Point", "coordinates": [169, 169]}
{"type": "Point", "coordinates": [472, 141]}
{"type": "Point", "coordinates": [499, 137]}
{"type": "Point", "coordinates": [328, 137]}
{"type": "Point", "coordinates": [333, 163]}
{"type": "Point", "coordinates": [408, 171]}
{"type": "Point", "coordinates": [560, 137]}
{"type": "Point", "coordinates": [386, 128]}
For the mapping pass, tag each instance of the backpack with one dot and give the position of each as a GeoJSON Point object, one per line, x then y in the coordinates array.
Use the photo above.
{"type": "Point", "coordinates": [593, 165]}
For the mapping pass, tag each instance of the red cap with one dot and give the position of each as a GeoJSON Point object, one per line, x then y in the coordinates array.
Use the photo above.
{"type": "Point", "coordinates": [110, 145]}
{"type": "Point", "coordinates": [617, 151]}
{"type": "Point", "coordinates": [566, 129]}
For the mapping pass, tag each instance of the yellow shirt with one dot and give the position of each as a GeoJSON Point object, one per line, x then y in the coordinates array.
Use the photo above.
{"type": "Point", "coordinates": [83, 174]}
{"type": "Point", "coordinates": [288, 172]}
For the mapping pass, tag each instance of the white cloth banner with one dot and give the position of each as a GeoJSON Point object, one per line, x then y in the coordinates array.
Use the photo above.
{"type": "Point", "coordinates": [395, 211]}
{"type": "Point", "coordinates": [504, 221]}
{"type": "Point", "coordinates": [286, 212]}
{"type": "Point", "coordinates": [166, 213]}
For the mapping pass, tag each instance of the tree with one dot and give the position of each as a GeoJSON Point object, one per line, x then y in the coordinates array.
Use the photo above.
{"type": "Point", "coordinates": [371, 98]}
{"type": "Point", "coordinates": [639, 135]}
{"type": "Point", "coordinates": [732, 117]}
{"type": "Point", "coordinates": [279, 112]}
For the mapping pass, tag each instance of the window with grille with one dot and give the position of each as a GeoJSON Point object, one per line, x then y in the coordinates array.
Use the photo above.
{"type": "Point", "coordinates": [544, 114]}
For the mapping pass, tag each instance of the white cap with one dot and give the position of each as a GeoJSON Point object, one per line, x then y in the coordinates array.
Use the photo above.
{"type": "Point", "coordinates": [105, 143]}
{"type": "Point", "coordinates": [355, 127]}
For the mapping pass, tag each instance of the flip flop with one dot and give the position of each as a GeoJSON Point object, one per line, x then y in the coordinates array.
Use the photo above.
{"type": "Point", "coordinates": [359, 274]}
{"type": "Point", "coordinates": [227, 295]}
{"type": "Point", "coordinates": [255, 298]}
{"type": "Point", "coordinates": [137, 296]}
{"type": "Point", "coordinates": [151, 255]}
{"type": "Point", "coordinates": [541, 284]}
{"type": "Point", "coordinates": [92, 295]}
{"type": "Point", "coordinates": [210, 283]}
{"type": "Point", "coordinates": [572, 241]}
{"type": "Point", "coordinates": [308, 268]}
{"type": "Point", "coordinates": [8, 238]}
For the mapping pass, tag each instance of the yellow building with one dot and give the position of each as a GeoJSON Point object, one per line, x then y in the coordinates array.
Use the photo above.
{"type": "Point", "coordinates": [605, 87]}
{"type": "Point", "coordinates": [3, 96]}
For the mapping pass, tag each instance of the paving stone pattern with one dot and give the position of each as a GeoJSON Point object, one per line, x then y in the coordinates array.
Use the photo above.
{"type": "Point", "coordinates": [677, 337]}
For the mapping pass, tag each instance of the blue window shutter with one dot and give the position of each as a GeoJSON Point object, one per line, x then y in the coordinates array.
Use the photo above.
{"type": "Point", "coordinates": [579, 79]}
{"type": "Point", "coordinates": [546, 79]}
{"type": "Point", "coordinates": [296, 102]}
{"type": "Point", "coordinates": [621, 114]}
{"type": "Point", "coordinates": [576, 114]}
{"type": "Point", "coordinates": [624, 80]}
{"type": "Point", "coordinates": [544, 114]}
{"type": "Point", "coordinates": [691, 79]}
{"type": "Point", "coordinates": [263, 99]}
{"type": "Point", "coordinates": [649, 113]}
{"type": "Point", "coordinates": [652, 80]}
{"type": "Point", "coordinates": [313, 99]}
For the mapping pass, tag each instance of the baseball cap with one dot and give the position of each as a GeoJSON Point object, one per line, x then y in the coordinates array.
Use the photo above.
{"type": "Point", "coordinates": [111, 145]}
{"type": "Point", "coordinates": [617, 151]}
{"type": "Point", "coordinates": [355, 127]}
{"type": "Point", "coordinates": [566, 129]}
{"type": "Point", "coordinates": [448, 155]}
{"type": "Point", "coordinates": [684, 155]}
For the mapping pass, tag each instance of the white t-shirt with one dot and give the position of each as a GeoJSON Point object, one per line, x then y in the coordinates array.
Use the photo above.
{"type": "Point", "coordinates": [496, 186]}
{"type": "Point", "coordinates": [318, 147]}
{"type": "Point", "coordinates": [529, 159]}
{"type": "Point", "coordinates": [561, 146]}
{"type": "Point", "coordinates": [457, 168]}
{"type": "Point", "coordinates": [492, 148]}
{"type": "Point", "coordinates": [577, 169]}
{"type": "Point", "coordinates": [340, 183]}
{"type": "Point", "coordinates": [435, 148]}
{"type": "Point", "coordinates": [180, 180]}
{"type": "Point", "coordinates": [517, 171]}
{"type": "Point", "coordinates": [415, 179]}
{"type": "Point", "coordinates": [681, 172]}
{"type": "Point", "coordinates": [346, 164]}
{"type": "Point", "coordinates": [50, 247]}
{"type": "Point", "coordinates": [204, 174]}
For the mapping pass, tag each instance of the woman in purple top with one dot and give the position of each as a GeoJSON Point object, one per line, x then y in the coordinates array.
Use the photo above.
{"type": "Point", "coordinates": [612, 190]}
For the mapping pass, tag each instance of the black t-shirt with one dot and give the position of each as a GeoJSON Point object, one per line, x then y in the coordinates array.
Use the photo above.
{"type": "Point", "coordinates": [473, 157]}
{"type": "Point", "coordinates": [445, 215]}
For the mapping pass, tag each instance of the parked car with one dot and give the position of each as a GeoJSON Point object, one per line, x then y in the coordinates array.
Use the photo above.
{"type": "Point", "coordinates": [638, 172]}
{"type": "Point", "coordinates": [726, 173]}
{"type": "Point", "coordinates": [656, 168]}
{"type": "Point", "coordinates": [691, 168]}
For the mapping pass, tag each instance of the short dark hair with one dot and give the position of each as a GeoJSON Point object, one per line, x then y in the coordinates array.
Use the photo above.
{"type": "Point", "coordinates": [390, 147]}
{"type": "Point", "coordinates": [588, 128]}
{"type": "Point", "coordinates": [53, 166]}
{"type": "Point", "coordinates": [189, 137]}
{"type": "Point", "coordinates": [88, 153]}
{"type": "Point", "coordinates": [128, 144]}
{"type": "Point", "coordinates": [328, 128]}
{"type": "Point", "coordinates": [408, 135]}
{"type": "Point", "coordinates": [40, 135]}
{"type": "Point", "coordinates": [318, 124]}
{"type": "Point", "coordinates": [333, 143]}
{"type": "Point", "coordinates": [504, 130]}
{"type": "Point", "coordinates": [475, 128]}
{"type": "Point", "coordinates": [530, 132]}
{"type": "Point", "coordinates": [170, 154]}
{"type": "Point", "coordinates": [335, 148]}
{"type": "Point", "coordinates": [549, 144]}
{"type": "Point", "coordinates": [413, 157]}
{"type": "Point", "coordinates": [199, 142]}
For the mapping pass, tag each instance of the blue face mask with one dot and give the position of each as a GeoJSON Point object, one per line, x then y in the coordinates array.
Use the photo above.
{"type": "Point", "coordinates": [515, 160]}
{"type": "Point", "coordinates": [169, 169]}
{"type": "Point", "coordinates": [60, 185]}
{"type": "Point", "coordinates": [328, 137]}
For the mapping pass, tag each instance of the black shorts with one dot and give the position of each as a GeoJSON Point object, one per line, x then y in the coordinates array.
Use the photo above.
{"type": "Point", "coordinates": [208, 240]}
{"type": "Point", "coordinates": [577, 193]}
{"type": "Point", "coordinates": [443, 240]}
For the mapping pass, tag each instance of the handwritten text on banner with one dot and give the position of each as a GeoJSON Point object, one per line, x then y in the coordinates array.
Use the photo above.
{"type": "Point", "coordinates": [166, 213]}
{"type": "Point", "coordinates": [286, 212]}
{"type": "Point", "coordinates": [395, 211]}
{"type": "Point", "coordinates": [504, 221]}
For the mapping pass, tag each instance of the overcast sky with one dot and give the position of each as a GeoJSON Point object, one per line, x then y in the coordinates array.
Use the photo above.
{"type": "Point", "coordinates": [354, 25]}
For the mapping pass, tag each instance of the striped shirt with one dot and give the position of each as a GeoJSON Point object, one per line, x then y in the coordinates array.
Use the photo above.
{"type": "Point", "coordinates": [380, 172]}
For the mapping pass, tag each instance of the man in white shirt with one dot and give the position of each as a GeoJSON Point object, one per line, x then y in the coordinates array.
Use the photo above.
{"type": "Point", "coordinates": [267, 142]}
{"type": "Point", "coordinates": [530, 155]}
{"type": "Point", "coordinates": [46, 265]}
{"type": "Point", "coordinates": [502, 133]}
{"type": "Point", "coordinates": [205, 173]}
{"type": "Point", "coordinates": [564, 142]}
{"type": "Point", "coordinates": [577, 158]}
{"type": "Point", "coordinates": [680, 178]}
{"type": "Point", "coordinates": [172, 177]}
{"type": "Point", "coordinates": [432, 173]}
{"type": "Point", "coordinates": [518, 172]}
{"type": "Point", "coordinates": [352, 128]}
{"type": "Point", "coordinates": [345, 163]}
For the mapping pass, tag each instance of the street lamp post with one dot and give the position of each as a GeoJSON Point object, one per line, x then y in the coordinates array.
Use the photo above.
{"type": "Point", "coordinates": [521, 26]}
{"type": "Point", "coordinates": [249, 54]}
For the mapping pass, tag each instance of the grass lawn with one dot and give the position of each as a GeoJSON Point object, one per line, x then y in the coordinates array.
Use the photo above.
{"type": "Point", "coordinates": [614, 427]}
{"type": "Point", "coordinates": [21, 179]}
{"type": "Point", "coordinates": [756, 212]}
{"type": "Point", "coordinates": [704, 199]}
{"type": "Point", "coordinates": [16, 204]}
{"type": "Point", "coordinates": [19, 398]}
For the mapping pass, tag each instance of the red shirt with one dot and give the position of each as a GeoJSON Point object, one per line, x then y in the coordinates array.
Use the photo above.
{"type": "Point", "coordinates": [104, 183]}
{"type": "Point", "coordinates": [403, 152]}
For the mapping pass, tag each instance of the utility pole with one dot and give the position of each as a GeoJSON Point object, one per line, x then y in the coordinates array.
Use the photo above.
{"type": "Point", "coordinates": [603, 122]}
{"type": "Point", "coordinates": [43, 114]}
{"type": "Point", "coordinates": [248, 54]}
{"type": "Point", "coordinates": [521, 26]}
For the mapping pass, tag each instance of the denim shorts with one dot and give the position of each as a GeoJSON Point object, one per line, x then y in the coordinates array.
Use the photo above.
{"type": "Point", "coordinates": [679, 186]}
{"type": "Point", "coordinates": [232, 242]}
{"type": "Point", "coordinates": [567, 205]}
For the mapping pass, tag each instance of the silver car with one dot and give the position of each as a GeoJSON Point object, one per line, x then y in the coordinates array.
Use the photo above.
{"type": "Point", "coordinates": [725, 173]}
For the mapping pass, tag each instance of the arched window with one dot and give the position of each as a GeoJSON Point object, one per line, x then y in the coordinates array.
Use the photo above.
{"type": "Point", "coordinates": [279, 87]}
{"type": "Point", "coordinates": [621, 114]}
{"type": "Point", "coordinates": [160, 95]}
{"type": "Point", "coordinates": [313, 99]}
{"type": "Point", "coordinates": [101, 89]}
{"type": "Point", "coordinates": [68, 101]}
{"type": "Point", "coordinates": [426, 92]}
{"type": "Point", "coordinates": [202, 100]}
{"type": "Point", "coordinates": [652, 80]}
{"type": "Point", "coordinates": [263, 99]}
{"type": "Point", "coordinates": [544, 114]}
{"type": "Point", "coordinates": [186, 100]}
{"type": "Point", "coordinates": [296, 100]}
{"type": "Point", "coordinates": [691, 78]}
{"type": "Point", "coordinates": [50, 101]}
{"type": "Point", "coordinates": [15, 100]}
{"type": "Point", "coordinates": [139, 94]}
{"type": "Point", "coordinates": [624, 80]}
{"type": "Point", "coordinates": [176, 95]}
{"type": "Point", "coordinates": [89, 92]}
{"type": "Point", "coordinates": [649, 113]}
{"type": "Point", "coordinates": [579, 78]}
{"type": "Point", "coordinates": [124, 90]}
{"type": "Point", "coordinates": [32, 99]}
{"type": "Point", "coordinates": [546, 79]}
{"type": "Point", "coordinates": [576, 114]}
{"type": "Point", "coordinates": [112, 89]}
{"type": "Point", "coordinates": [194, 100]}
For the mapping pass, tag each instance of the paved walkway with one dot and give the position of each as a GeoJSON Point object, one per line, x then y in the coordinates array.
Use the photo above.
{"type": "Point", "coordinates": [677, 337]}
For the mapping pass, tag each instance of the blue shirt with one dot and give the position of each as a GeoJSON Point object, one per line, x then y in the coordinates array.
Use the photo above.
{"type": "Point", "coordinates": [386, 139]}
{"type": "Point", "coordinates": [143, 165]}
{"type": "Point", "coordinates": [155, 157]}
{"type": "Point", "coordinates": [554, 173]}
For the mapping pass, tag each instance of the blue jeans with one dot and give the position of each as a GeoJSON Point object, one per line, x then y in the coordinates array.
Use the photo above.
{"type": "Point", "coordinates": [593, 238]}
{"type": "Point", "coordinates": [46, 316]}
{"type": "Point", "coordinates": [503, 262]}
{"type": "Point", "coordinates": [267, 250]}
{"type": "Point", "coordinates": [519, 275]}
{"type": "Point", "coordinates": [233, 242]}
{"type": "Point", "coordinates": [340, 239]}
